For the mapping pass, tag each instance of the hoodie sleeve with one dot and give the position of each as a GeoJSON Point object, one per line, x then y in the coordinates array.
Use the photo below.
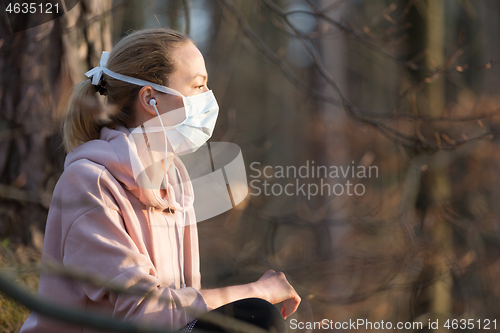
{"type": "Point", "coordinates": [97, 242]}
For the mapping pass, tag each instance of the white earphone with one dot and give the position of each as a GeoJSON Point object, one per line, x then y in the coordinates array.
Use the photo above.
{"type": "Point", "coordinates": [152, 102]}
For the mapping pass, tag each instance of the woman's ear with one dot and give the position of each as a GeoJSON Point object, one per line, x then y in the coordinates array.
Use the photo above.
{"type": "Point", "coordinates": [145, 96]}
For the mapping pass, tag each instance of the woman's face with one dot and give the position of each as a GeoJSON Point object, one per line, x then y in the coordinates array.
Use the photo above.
{"type": "Point", "coordinates": [189, 78]}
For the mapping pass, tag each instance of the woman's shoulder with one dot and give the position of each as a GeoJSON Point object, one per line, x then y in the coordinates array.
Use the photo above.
{"type": "Point", "coordinates": [86, 181]}
{"type": "Point", "coordinates": [87, 163]}
{"type": "Point", "coordinates": [86, 184]}
{"type": "Point", "coordinates": [82, 173]}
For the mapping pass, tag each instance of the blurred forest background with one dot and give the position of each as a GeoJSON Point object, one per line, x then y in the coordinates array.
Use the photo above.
{"type": "Point", "coordinates": [408, 86]}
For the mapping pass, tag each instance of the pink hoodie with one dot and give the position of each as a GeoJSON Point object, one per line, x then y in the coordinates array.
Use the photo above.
{"type": "Point", "coordinates": [102, 222]}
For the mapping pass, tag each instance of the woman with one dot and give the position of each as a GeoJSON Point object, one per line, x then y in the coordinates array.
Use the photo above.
{"type": "Point", "coordinates": [135, 226]}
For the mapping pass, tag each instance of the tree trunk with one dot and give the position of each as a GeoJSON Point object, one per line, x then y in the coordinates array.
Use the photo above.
{"type": "Point", "coordinates": [39, 66]}
{"type": "Point", "coordinates": [439, 191]}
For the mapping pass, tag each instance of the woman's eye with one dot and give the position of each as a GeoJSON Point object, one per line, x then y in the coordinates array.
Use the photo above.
{"type": "Point", "coordinates": [200, 87]}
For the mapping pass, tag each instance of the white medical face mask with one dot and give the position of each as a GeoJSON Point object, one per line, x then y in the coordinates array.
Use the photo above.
{"type": "Point", "coordinates": [198, 115]}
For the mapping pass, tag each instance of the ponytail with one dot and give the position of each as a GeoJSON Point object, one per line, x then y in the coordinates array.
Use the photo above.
{"type": "Point", "coordinates": [85, 116]}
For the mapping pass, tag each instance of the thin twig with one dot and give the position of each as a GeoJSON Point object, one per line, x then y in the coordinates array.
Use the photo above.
{"type": "Point", "coordinates": [187, 15]}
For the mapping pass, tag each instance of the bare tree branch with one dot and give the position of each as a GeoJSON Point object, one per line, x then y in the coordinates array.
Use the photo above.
{"type": "Point", "coordinates": [68, 315]}
{"type": "Point", "coordinates": [416, 141]}
{"type": "Point", "coordinates": [187, 15]}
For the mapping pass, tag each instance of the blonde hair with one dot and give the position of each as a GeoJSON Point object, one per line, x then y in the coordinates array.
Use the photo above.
{"type": "Point", "coordinates": [144, 54]}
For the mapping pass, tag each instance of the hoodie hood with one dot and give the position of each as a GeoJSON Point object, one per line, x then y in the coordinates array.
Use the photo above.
{"type": "Point", "coordinates": [117, 153]}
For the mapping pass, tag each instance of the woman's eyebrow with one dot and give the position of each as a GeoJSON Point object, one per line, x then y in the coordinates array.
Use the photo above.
{"type": "Point", "coordinates": [203, 76]}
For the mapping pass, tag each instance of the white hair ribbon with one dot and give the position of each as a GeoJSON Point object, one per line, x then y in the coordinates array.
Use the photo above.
{"type": "Point", "coordinates": [96, 74]}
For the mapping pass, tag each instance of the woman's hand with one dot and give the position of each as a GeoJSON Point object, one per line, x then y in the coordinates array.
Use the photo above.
{"type": "Point", "coordinates": [272, 286]}
{"type": "Point", "coordinates": [275, 289]}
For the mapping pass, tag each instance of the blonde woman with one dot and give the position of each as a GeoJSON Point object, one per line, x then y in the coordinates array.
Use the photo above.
{"type": "Point", "coordinates": [136, 227]}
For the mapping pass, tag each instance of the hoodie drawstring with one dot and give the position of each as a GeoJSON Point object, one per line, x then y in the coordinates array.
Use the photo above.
{"type": "Point", "coordinates": [181, 233]}
{"type": "Point", "coordinates": [150, 220]}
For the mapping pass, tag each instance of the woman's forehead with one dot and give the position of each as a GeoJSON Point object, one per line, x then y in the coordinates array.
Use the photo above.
{"type": "Point", "coordinates": [189, 61]}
